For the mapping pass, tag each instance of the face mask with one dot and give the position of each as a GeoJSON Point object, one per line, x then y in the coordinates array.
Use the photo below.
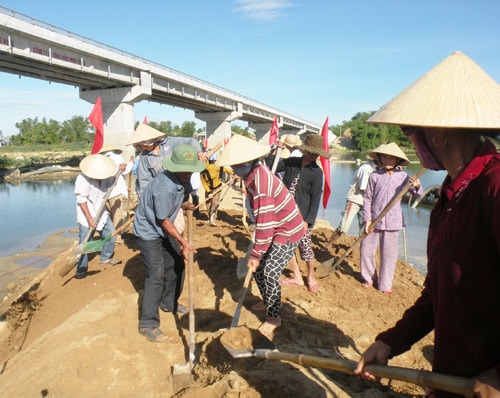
{"type": "Point", "coordinates": [426, 156]}
{"type": "Point", "coordinates": [242, 170]}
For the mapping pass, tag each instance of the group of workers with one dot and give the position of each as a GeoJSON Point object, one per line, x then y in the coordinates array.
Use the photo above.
{"type": "Point", "coordinates": [448, 115]}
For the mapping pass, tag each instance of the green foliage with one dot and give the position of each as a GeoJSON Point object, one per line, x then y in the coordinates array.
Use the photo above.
{"type": "Point", "coordinates": [240, 130]}
{"type": "Point", "coordinates": [33, 132]}
{"type": "Point", "coordinates": [366, 136]}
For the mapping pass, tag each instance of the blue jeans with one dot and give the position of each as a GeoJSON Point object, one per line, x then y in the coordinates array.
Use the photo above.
{"type": "Point", "coordinates": [107, 249]}
{"type": "Point", "coordinates": [164, 266]}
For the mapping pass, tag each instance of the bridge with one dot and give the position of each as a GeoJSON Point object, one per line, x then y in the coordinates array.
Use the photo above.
{"type": "Point", "coordinates": [29, 47]}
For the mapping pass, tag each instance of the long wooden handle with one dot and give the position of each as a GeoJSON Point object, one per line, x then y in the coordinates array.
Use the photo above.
{"type": "Point", "coordinates": [422, 378]}
{"type": "Point", "coordinates": [192, 342]}
{"type": "Point", "coordinates": [214, 149]}
{"type": "Point", "coordinates": [246, 283]}
{"type": "Point", "coordinates": [373, 224]}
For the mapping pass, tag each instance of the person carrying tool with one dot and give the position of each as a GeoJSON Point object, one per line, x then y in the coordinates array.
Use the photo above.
{"type": "Point", "coordinates": [118, 199]}
{"type": "Point", "coordinates": [91, 187]}
{"type": "Point", "coordinates": [163, 249]}
{"type": "Point", "coordinates": [383, 185]}
{"type": "Point", "coordinates": [153, 147]}
{"type": "Point", "coordinates": [278, 223]}
{"type": "Point", "coordinates": [461, 300]}
{"type": "Point", "coordinates": [304, 179]}
{"type": "Point", "coordinates": [354, 202]}
{"type": "Point", "coordinates": [211, 182]}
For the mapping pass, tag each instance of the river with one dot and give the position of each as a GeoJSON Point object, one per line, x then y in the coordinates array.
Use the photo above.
{"type": "Point", "coordinates": [31, 211]}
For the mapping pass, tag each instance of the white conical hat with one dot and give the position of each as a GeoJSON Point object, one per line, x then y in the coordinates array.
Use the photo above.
{"type": "Point", "coordinates": [98, 167]}
{"type": "Point", "coordinates": [143, 132]}
{"type": "Point", "coordinates": [455, 93]}
{"type": "Point", "coordinates": [241, 149]}
{"type": "Point", "coordinates": [390, 149]}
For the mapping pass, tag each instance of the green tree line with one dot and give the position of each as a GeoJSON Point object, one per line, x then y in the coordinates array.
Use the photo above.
{"type": "Point", "coordinates": [365, 136]}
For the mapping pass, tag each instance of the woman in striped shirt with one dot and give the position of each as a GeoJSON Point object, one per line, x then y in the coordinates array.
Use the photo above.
{"type": "Point", "coordinates": [278, 222]}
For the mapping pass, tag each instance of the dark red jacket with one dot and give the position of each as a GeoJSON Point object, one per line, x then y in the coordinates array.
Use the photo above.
{"type": "Point", "coordinates": [461, 298]}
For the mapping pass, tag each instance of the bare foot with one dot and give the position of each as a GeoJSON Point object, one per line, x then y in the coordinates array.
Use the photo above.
{"type": "Point", "coordinates": [312, 285]}
{"type": "Point", "coordinates": [260, 306]}
{"type": "Point", "coordinates": [270, 325]}
{"type": "Point", "coordinates": [292, 282]}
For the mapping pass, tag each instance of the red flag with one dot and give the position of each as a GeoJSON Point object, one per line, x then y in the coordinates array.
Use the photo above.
{"type": "Point", "coordinates": [145, 121]}
{"type": "Point", "coordinates": [95, 118]}
{"type": "Point", "coordinates": [205, 144]}
{"type": "Point", "coordinates": [325, 163]}
{"type": "Point", "coordinates": [273, 135]}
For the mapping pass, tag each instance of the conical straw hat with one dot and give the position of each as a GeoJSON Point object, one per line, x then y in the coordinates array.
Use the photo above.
{"type": "Point", "coordinates": [98, 167]}
{"type": "Point", "coordinates": [390, 149]}
{"type": "Point", "coordinates": [143, 132]}
{"type": "Point", "coordinates": [110, 148]}
{"type": "Point", "coordinates": [241, 149]}
{"type": "Point", "coordinates": [455, 93]}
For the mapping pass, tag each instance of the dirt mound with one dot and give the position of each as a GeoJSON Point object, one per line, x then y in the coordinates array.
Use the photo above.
{"type": "Point", "coordinates": [67, 337]}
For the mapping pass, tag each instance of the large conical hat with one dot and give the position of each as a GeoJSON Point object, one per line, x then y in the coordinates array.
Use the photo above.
{"type": "Point", "coordinates": [241, 149]}
{"type": "Point", "coordinates": [143, 132]}
{"type": "Point", "coordinates": [390, 149]}
{"type": "Point", "coordinates": [98, 167]}
{"type": "Point", "coordinates": [455, 93]}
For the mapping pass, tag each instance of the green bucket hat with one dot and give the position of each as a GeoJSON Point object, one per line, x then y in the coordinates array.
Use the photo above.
{"type": "Point", "coordinates": [184, 159]}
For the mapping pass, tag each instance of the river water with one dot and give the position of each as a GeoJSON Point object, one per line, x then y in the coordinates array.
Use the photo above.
{"type": "Point", "coordinates": [31, 211]}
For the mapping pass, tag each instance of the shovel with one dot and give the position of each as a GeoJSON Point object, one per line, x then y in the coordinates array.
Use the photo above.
{"type": "Point", "coordinates": [327, 267]}
{"type": "Point", "coordinates": [421, 378]}
{"type": "Point", "coordinates": [97, 245]}
{"type": "Point", "coordinates": [182, 374]}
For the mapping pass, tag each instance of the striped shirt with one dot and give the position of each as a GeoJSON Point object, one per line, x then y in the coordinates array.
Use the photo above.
{"type": "Point", "coordinates": [277, 217]}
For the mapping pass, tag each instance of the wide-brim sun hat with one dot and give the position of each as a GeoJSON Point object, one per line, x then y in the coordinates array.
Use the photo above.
{"type": "Point", "coordinates": [292, 140]}
{"type": "Point", "coordinates": [456, 93]}
{"type": "Point", "coordinates": [390, 149]}
{"type": "Point", "coordinates": [314, 144]}
{"type": "Point", "coordinates": [285, 153]}
{"type": "Point", "coordinates": [143, 132]}
{"type": "Point", "coordinates": [110, 148]}
{"type": "Point", "coordinates": [184, 159]}
{"type": "Point", "coordinates": [241, 149]}
{"type": "Point", "coordinates": [98, 167]}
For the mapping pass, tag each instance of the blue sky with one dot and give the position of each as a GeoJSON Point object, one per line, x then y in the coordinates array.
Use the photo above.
{"type": "Point", "coordinates": [310, 58]}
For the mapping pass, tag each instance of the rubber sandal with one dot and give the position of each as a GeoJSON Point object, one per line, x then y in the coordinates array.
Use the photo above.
{"type": "Point", "coordinates": [181, 309]}
{"type": "Point", "coordinates": [155, 335]}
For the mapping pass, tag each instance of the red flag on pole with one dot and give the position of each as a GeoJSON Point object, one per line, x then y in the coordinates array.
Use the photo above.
{"type": "Point", "coordinates": [325, 163]}
{"type": "Point", "coordinates": [95, 118]}
{"type": "Point", "coordinates": [145, 121]}
{"type": "Point", "coordinates": [273, 135]}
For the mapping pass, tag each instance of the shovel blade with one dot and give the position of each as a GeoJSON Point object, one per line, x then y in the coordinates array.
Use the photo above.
{"type": "Point", "coordinates": [325, 268]}
{"type": "Point", "coordinates": [239, 342]}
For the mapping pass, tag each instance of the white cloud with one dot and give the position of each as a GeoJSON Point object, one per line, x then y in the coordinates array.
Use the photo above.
{"type": "Point", "coordinates": [263, 10]}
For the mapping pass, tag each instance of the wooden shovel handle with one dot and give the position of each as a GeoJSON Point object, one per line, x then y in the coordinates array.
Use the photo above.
{"type": "Point", "coordinates": [421, 378]}
{"type": "Point", "coordinates": [246, 283]}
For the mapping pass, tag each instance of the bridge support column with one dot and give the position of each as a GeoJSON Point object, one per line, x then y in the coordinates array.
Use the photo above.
{"type": "Point", "coordinates": [263, 130]}
{"type": "Point", "coordinates": [218, 125]}
{"type": "Point", "coordinates": [118, 111]}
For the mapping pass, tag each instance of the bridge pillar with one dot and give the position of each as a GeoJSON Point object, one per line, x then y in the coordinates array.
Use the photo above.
{"type": "Point", "coordinates": [118, 111]}
{"type": "Point", "coordinates": [263, 130]}
{"type": "Point", "coordinates": [218, 125]}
